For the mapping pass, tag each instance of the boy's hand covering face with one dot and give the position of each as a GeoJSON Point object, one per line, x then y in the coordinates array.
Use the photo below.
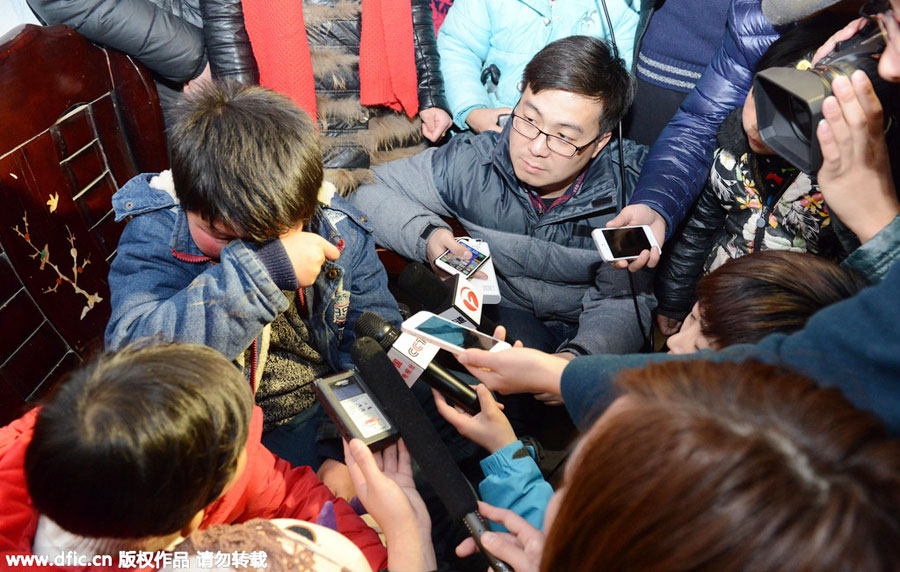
{"type": "Point", "coordinates": [308, 252]}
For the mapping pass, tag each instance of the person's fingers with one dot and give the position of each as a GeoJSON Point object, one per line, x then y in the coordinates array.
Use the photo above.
{"type": "Point", "coordinates": [840, 131]}
{"type": "Point", "coordinates": [518, 344]}
{"type": "Point", "coordinates": [513, 522]}
{"type": "Point", "coordinates": [549, 398]}
{"type": "Point", "coordinates": [430, 132]}
{"type": "Point", "coordinates": [404, 459]}
{"type": "Point", "coordinates": [459, 249]}
{"type": "Point", "coordinates": [486, 401]}
{"type": "Point", "coordinates": [621, 219]}
{"type": "Point", "coordinates": [850, 108]}
{"type": "Point", "coordinates": [508, 550]}
{"type": "Point", "coordinates": [331, 251]}
{"type": "Point", "coordinates": [620, 264]}
{"type": "Point", "coordinates": [831, 153]}
{"type": "Point", "coordinates": [466, 548]}
{"type": "Point", "coordinates": [841, 35]}
{"type": "Point", "coordinates": [500, 333]}
{"type": "Point", "coordinates": [654, 257]}
{"type": "Point", "coordinates": [451, 414]}
{"type": "Point", "coordinates": [869, 103]}
{"type": "Point", "coordinates": [356, 474]}
{"type": "Point", "coordinates": [389, 459]}
{"type": "Point", "coordinates": [639, 262]}
{"type": "Point", "coordinates": [478, 358]}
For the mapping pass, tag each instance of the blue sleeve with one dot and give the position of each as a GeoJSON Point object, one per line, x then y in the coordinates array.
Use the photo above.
{"type": "Point", "coordinates": [463, 44]}
{"type": "Point", "coordinates": [851, 345]}
{"type": "Point", "coordinates": [368, 293]}
{"type": "Point", "coordinates": [514, 481]}
{"type": "Point", "coordinates": [154, 295]}
{"type": "Point", "coordinates": [874, 258]}
{"type": "Point", "coordinates": [679, 161]}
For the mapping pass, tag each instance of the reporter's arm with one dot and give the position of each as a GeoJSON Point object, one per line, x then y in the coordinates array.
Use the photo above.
{"type": "Point", "coordinates": [850, 345]}
{"type": "Point", "coordinates": [513, 480]}
{"type": "Point", "coordinates": [516, 370]}
{"type": "Point", "coordinates": [403, 204]}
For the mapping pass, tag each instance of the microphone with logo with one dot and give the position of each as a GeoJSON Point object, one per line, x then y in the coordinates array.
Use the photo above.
{"type": "Point", "coordinates": [422, 440]}
{"type": "Point", "coordinates": [458, 300]}
{"type": "Point", "coordinates": [386, 334]}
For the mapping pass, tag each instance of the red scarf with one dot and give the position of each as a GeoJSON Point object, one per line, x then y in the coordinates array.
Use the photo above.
{"type": "Point", "coordinates": [387, 76]}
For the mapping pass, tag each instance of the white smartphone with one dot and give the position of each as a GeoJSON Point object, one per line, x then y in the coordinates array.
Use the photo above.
{"type": "Point", "coordinates": [467, 264]}
{"type": "Point", "coordinates": [623, 243]}
{"type": "Point", "coordinates": [450, 335]}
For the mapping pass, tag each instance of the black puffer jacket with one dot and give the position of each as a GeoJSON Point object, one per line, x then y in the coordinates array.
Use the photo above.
{"type": "Point", "coordinates": [173, 38]}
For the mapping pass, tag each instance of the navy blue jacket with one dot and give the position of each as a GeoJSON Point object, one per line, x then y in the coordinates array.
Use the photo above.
{"type": "Point", "coordinates": [679, 161]}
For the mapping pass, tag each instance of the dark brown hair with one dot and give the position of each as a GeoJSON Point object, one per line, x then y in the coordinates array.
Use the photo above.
{"type": "Point", "coordinates": [727, 466]}
{"type": "Point", "coordinates": [768, 292]}
{"type": "Point", "coordinates": [136, 443]}
{"type": "Point", "coordinates": [248, 157]}
{"type": "Point", "coordinates": [585, 66]}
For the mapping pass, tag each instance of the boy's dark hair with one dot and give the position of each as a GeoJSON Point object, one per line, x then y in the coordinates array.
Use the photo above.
{"type": "Point", "coordinates": [246, 156]}
{"type": "Point", "coordinates": [137, 442]}
{"type": "Point", "coordinates": [584, 66]}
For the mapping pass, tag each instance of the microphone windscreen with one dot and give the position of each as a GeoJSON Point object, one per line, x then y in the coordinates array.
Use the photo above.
{"type": "Point", "coordinates": [423, 285]}
{"type": "Point", "coordinates": [370, 324]}
{"type": "Point", "coordinates": [781, 12]}
{"type": "Point", "coordinates": [420, 436]}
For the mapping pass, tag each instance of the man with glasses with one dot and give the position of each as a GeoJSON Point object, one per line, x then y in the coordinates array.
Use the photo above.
{"type": "Point", "coordinates": [851, 345]}
{"type": "Point", "coordinates": [533, 192]}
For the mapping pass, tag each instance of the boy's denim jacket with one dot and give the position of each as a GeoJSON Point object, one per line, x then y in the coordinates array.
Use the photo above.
{"type": "Point", "coordinates": [162, 286]}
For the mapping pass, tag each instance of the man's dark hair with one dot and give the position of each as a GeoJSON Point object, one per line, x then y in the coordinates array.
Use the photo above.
{"type": "Point", "coordinates": [584, 66]}
{"type": "Point", "coordinates": [138, 442]}
{"type": "Point", "coordinates": [246, 156]}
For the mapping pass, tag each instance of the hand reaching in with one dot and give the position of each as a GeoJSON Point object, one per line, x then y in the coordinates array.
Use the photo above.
{"type": "Point", "coordinates": [521, 547]}
{"type": "Point", "coordinates": [855, 177]}
{"type": "Point", "coordinates": [634, 215]}
{"type": "Point", "coordinates": [489, 428]}
{"type": "Point", "coordinates": [485, 118]}
{"type": "Point", "coordinates": [435, 122]}
{"type": "Point", "coordinates": [384, 485]}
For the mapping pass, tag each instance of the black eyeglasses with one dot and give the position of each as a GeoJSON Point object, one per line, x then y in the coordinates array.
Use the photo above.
{"type": "Point", "coordinates": [556, 144]}
{"type": "Point", "coordinates": [876, 11]}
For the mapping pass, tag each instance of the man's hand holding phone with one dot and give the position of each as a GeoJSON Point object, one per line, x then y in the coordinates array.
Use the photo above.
{"type": "Point", "coordinates": [442, 243]}
{"type": "Point", "coordinates": [640, 214]}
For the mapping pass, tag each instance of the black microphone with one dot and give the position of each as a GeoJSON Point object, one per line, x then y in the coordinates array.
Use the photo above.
{"type": "Point", "coordinates": [422, 440]}
{"type": "Point", "coordinates": [434, 294]}
{"type": "Point", "coordinates": [385, 333]}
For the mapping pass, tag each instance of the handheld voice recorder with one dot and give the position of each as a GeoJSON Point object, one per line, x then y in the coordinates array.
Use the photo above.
{"type": "Point", "coordinates": [355, 410]}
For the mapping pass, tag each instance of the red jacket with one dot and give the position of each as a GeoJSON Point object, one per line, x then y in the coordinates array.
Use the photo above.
{"type": "Point", "coordinates": [268, 488]}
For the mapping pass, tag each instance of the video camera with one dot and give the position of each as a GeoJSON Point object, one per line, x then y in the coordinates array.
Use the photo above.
{"type": "Point", "coordinates": [789, 100]}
